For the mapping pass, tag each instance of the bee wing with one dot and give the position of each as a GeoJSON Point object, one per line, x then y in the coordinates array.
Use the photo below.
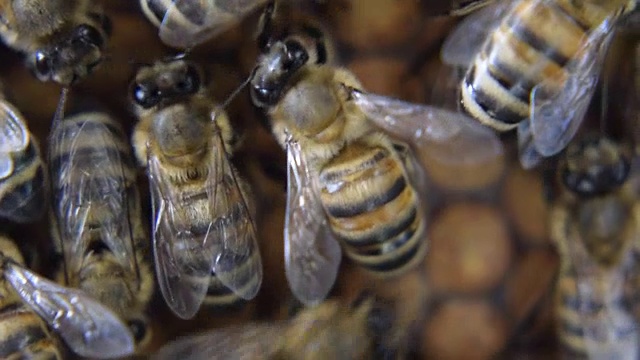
{"type": "Point", "coordinates": [88, 327]}
{"type": "Point", "coordinates": [236, 259]}
{"type": "Point", "coordinates": [527, 153]}
{"type": "Point", "coordinates": [188, 23]}
{"type": "Point", "coordinates": [92, 182]}
{"type": "Point", "coordinates": [466, 40]}
{"type": "Point", "coordinates": [449, 136]}
{"type": "Point", "coordinates": [463, 7]}
{"type": "Point", "coordinates": [248, 341]}
{"type": "Point", "coordinates": [557, 112]}
{"type": "Point", "coordinates": [183, 262]}
{"type": "Point", "coordinates": [14, 136]}
{"type": "Point", "coordinates": [312, 254]}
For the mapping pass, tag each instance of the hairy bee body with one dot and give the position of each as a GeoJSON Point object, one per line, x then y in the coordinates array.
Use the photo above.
{"type": "Point", "coordinates": [534, 42]}
{"type": "Point", "coordinates": [23, 334]}
{"type": "Point", "coordinates": [595, 228]}
{"type": "Point", "coordinates": [371, 205]}
{"type": "Point", "coordinates": [63, 39]}
{"type": "Point", "coordinates": [363, 183]}
{"type": "Point", "coordinates": [185, 151]}
{"type": "Point", "coordinates": [22, 190]}
{"type": "Point", "coordinates": [106, 259]}
{"type": "Point", "coordinates": [366, 329]}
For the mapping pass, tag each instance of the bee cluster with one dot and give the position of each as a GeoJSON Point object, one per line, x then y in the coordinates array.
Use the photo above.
{"type": "Point", "coordinates": [241, 179]}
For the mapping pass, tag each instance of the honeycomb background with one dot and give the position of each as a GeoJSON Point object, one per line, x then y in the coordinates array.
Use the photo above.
{"type": "Point", "coordinates": [484, 288]}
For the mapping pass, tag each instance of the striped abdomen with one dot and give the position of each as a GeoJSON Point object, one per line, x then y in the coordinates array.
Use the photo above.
{"type": "Point", "coordinates": [373, 208]}
{"type": "Point", "coordinates": [91, 146]}
{"type": "Point", "coordinates": [198, 218]}
{"type": "Point", "coordinates": [22, 194]}
{"type": "Point", "coordinates": [596, 323]}
{"type": "Point", "coordinates": [534, 42]}
{"type": "Point", "coordinates": [23, 335]}
{"type": "Point", "coordinates": [92, 168]}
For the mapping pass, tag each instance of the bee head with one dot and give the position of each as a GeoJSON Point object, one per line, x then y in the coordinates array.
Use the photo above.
{"type": "Point", "coordinates": [271, 76]}
{"type": "Point", "coordinates": [74, 56]}
{"type": "Point", "coordinates": [165, 81]}
{"type": "Point", "coordinates": [594, 166]}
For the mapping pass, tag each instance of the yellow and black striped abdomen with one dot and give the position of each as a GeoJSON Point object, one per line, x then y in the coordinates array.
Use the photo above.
{"type": "Point", "coordinates": [201, 220]}
{"type": "Point", "coordinates": [23, 335]}
{"type": "Point", "coordinates": [594, 319]}
{"type": "Point", "coordinates": [22, 194]}
{"type": "Point", "coordinates": [534, 42]}
{"type": "Point", "coordinates": [373, 208]}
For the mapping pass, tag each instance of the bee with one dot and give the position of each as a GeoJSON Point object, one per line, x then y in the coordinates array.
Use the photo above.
{"type": "Point", "coordinates": [96, 217]}
{"type": "Point", "coordinates": [31, 305]}
{"type": "Point", "coordinates": [186, 23]}
{"type": "Point", "coordinates": [22, 171]}
{"type": "Point", "coordinates": [332, 330]}
{"type": "Point", "coordinates": [595, 224]}
{"type": "Point", "coordinates": [533, 65]}
{"type": "Point", "coordinates": [204, 236]}
{"type": "Point", "coordinates": [348, 180]}
{"type": "Point", "coordinates": [63, 40]}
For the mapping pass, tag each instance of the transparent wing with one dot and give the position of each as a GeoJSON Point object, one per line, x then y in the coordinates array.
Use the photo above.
{"type": "Point", "coordinates": [183, 262]}
{"type": "Point", "coordinates": [448, 136]}
{"type": "Point", "coordinates": [249, 341]}
{"type": "Point", "coordinates": [14, 135]}
{"type": "Point", "coordinates": [558, 111]}
{"type": "Point", "coordinates": [527, 153]}
{"type": "Point", "coordinates": [88, 327]}
{"type": "Point", "coordinates": [463, 7]}
{"type": "Point", "coordinates": [312, 254]}
{"type": "Point", "coordinates": [94, 188]}
{"type": "Point", "coordinates": [466, 40]}
{"type": "Point", "coordinates": [236, 259]}
{"type": "Point", "coordinates": [188, 23]}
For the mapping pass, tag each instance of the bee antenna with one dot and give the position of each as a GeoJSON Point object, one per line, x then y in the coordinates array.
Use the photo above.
{"type": "Point", "coordinates": [62, 103]}
{"type": "Point", "coordinates": [236, 92]}
{"type": "Point", "coordinates": [604, 106]}
{"type": "Point", "coordinates": [134, 63]}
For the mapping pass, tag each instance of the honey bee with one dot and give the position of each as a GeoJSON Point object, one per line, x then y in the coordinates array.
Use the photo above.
{"type": "Point", "coordinates": [204, 236]}
{"type": "Point", "coordinates": [595, 225]}
{"type": "Point", "coordinates": [347, 178]}
{"type": "Point", "coordinates": [534, 65]}
{"type": "Point", "coordinates": [22, 172]}
{"type": "Point", "coordinates": [96, 217]}
{"type": "Point", "coordinates": [332, 330]}
{"type": "Point", "coordinates": [29, 302]}
{"type": "Point", "coordinates": [186, 23]}
{"type": "Point", "coordinates": [63, 40]}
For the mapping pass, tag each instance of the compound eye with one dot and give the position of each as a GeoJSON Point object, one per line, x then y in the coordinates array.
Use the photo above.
{"type": "Point", "coordinates": [138, 329]}
{"type": "Point", "coordinates": [145, 96]}
{"type": "Point", "coordinates": [191, 81]}
{"type": "Point", "coordinates": [90, 35]}
{"type": "Point", "coordinates": [42, 65]}
{"type": "Point", "coordinates": [296, 55]}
